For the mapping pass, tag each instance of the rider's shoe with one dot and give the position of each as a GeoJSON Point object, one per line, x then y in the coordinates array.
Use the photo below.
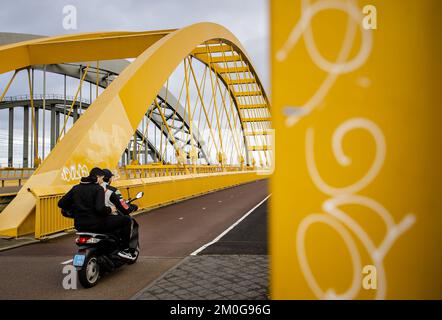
{"type": "Point", "coordinates": [126, 254]}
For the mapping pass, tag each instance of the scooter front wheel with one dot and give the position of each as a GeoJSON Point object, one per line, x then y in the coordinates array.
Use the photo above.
{"type": "Point", "coordinates": [90, 272]}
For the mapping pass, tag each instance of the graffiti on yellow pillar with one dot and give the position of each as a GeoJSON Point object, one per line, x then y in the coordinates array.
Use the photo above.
{"type": "Point", "coordinates": [355, 107]}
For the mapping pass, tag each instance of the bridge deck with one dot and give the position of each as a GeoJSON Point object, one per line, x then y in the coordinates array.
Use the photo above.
{"type": "Point", "coordinates": [9, 190]}
{"type": "Point", "coordinates": [167, 236]}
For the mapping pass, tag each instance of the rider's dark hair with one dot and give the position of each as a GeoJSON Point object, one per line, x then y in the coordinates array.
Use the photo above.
{"type": "Point", "coordinates": [95, 172]}
{"type": "Point", "coordinates": [107, 175]}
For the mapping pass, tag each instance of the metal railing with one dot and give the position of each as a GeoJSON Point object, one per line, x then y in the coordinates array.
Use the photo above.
{"type": "Point", "coordinates": [27, 97]}
{"type": "Point", "coordinates": [157, 192]}
{"type": "Point", "coordinates": [15, 174]}
{"type": "Point", "coordinates": [160, 170]}
{"type": "Point", "coordinates": [48, 217]}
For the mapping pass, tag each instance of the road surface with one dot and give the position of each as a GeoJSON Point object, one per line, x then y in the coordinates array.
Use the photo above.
{"type": "Point", "coordinates": [167, 236]}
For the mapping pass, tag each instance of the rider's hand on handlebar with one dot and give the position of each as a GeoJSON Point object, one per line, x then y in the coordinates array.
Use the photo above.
{"type": "Point", "coordinates": [113, 209]}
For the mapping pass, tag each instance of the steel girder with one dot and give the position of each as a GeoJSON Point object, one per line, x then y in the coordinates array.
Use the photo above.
{"type": "Point", "coordinates": [97, 140]}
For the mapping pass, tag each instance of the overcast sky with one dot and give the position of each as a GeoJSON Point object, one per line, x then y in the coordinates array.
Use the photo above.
{"type": "Point", "coordinates": [247, 19]}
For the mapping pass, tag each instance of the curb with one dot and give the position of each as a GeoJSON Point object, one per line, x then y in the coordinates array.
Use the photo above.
{"type": "Point", "coordinates": [13, 246]}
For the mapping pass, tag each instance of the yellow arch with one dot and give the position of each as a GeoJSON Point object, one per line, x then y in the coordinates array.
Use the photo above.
{"type": "Point", "coordinates": [99, 137]}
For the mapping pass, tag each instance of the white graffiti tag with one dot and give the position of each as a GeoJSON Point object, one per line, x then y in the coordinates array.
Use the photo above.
{"type": "Point", "coordinates": [341, 222]}
{"type": "Point", "coordinates": [333, 216]}
{"type": "Point", "coordinates": [74, 172]}
{"type": "Point", "coordinates": [333, 69]}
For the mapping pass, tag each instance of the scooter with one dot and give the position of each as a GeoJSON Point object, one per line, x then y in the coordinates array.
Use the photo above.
{"type": "Point", "coordinates": [97, 253]}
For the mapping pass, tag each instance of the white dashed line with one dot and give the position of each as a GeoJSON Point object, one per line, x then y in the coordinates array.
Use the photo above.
{"type": "Point", "coordinates": [67, 261]}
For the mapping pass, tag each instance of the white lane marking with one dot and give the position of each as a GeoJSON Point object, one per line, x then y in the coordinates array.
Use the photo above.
{"type": "Point", "coordinates": [229, 228]}
{"type": "Point", "coordinates": [67, 261]}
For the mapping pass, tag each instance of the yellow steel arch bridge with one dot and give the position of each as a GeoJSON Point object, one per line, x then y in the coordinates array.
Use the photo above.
{"type": "Point", "coordinates": [196, 86]}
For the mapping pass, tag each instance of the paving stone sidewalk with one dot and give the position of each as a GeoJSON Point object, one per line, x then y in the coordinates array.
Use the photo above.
{"type": "Point", "coordinates": [212, 277]}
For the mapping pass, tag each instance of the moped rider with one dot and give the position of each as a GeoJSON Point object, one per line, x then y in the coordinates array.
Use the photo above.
{"type": "Point", "coordinates": [114, 199]}
{"type": "Point", "coordinates": [86, 202]}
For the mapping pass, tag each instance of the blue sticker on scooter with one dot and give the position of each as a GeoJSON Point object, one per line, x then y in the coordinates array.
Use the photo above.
{"type": "Point", "coordinates": [79, 260]}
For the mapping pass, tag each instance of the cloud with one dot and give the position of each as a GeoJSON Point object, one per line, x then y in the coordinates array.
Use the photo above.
{"type": "Point", "coordinates": [247, 19]}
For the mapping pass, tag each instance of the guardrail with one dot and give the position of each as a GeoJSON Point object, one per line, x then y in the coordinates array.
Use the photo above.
{"type": "Point", "coordinates": [132, 171]}
{"type": "Point", "coordinates": [27, 97]}
{"type": "Point", "coordinates": [161, 170]}
{"type": "Point", "coordinates": [15, 174]}
{"type": "Point", "coordinates": [158, 191]}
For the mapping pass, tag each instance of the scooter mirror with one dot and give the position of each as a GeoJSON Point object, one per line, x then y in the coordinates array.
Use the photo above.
{"type": "Point", "coordinates": [139, 195]}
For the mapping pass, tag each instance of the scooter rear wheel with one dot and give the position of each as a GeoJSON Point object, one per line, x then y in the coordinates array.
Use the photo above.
{"type": "Point", "coordinates": [90, 272]}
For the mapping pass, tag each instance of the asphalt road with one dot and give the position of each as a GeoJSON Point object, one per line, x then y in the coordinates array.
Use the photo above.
{"type": "Point", "coordinates": [247, 237]}
{"type": "Point", "coordinates": [167, 235]}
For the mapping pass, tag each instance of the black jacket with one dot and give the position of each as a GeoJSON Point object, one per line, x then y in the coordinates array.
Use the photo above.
{"type": "Point", "coordinates": [118, 201]}
{"type": "Point", "coordinates": [86, 202]}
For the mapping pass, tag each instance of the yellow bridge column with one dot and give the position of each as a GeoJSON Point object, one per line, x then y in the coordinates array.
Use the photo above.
{"type": "Point", "coordinates": [355, 211]}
